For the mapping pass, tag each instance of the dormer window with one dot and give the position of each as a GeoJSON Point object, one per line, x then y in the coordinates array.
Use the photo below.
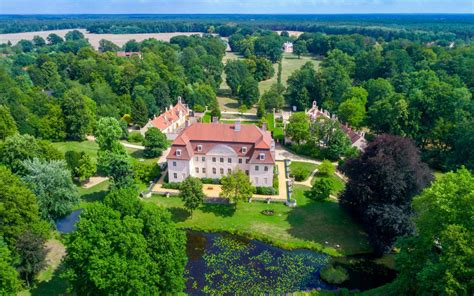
{"type": "Point", "coordinates": [178, 152]}
{"type": "Point", "coordinates": [199, 148]}
{"type": "Point", "coordinates": [244, 149]}
{"type": "Point", "coordinates": [261, 156]}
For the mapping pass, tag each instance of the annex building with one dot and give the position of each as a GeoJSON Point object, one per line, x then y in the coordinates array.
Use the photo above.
{"type": "Point", "coordinates": [213, 150]}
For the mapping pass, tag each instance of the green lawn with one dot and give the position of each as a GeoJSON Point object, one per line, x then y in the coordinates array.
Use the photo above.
{"type": "Point", "coordinates": [303, 169]}
{"type": "Point", "coordinates": [290, 63]}
{"type": "Point", "coordinates": [309, 225]}
{"type": "Point", "coordinates": [89, 147]}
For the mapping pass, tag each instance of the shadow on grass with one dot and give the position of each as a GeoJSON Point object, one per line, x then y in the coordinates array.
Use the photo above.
{"type": "Point", "coordinates": [222, 210]}
{"type": "Point", "coordinates": [179, 214]}
{"type": "Point", "coordinates": [138, 154]}
{"type": "Point", "coordinates": [325, 221]}
{"type": "Point", "coordinates": [55, 286]}
{"type": "Point", "coordinates": [95, 196]}
{"type": "Point", "coordinates": [224, 92]}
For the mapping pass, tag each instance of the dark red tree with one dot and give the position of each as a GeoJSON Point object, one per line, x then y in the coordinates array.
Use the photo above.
{"type": "Point", "coordinates": [382, 183]}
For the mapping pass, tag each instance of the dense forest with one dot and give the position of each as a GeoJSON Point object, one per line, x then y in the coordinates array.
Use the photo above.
{"type": "Point", "coordinates": [423, 27]}
{"type": "Point", "coordinates": [409, 87]}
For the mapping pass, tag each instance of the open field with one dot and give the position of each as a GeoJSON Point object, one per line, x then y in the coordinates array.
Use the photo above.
{"type": "Point", "coordinates": [310, 225]}
{"type": "Point", "coordinates": [290, 63]}
{"type": "Point", "coordinates": [119, 39]}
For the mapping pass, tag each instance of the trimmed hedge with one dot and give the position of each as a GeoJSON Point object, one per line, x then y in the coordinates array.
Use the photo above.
{"type": "Point", "coordinates": [172, 185]}
{"type": "Point", "coordinates": [265, 190]}
{"type": "Point", "coordinates": [210, 181]}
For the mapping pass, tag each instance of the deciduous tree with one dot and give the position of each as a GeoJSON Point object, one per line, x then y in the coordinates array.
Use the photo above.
{"type": "Point", "coordinates": [129, 248]}
{"type": "Point", "coordinates": [237, 187]}
{"type": "Point", "coordinates": [382, 183]}
{"type": "Point", "coordinates": [190, 191]}
{"type": "Point", "coordinates": [51, 182]}
{"type": "Point", "coordinates": [155, 142]}
{"type": "Point", "coordinates": [439, 259]}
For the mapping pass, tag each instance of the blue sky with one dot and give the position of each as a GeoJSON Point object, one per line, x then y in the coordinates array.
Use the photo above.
{"type": "Point", "coordinates": [234, 6]}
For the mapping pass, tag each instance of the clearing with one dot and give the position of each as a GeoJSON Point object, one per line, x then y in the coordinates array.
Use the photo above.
{"type": "Point", "coordinates": [310, 225]}
{"type": "Point", "coordinates": [290, 63]}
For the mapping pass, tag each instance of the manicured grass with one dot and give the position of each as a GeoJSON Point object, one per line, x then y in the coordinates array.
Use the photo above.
{"type": "Point", "coordinates": [302, 169]}
{"type": "Point", "coordinates": [309, 225]}
{"type": "Point", "coordinates": [290, 63]}
{"type": "Point", "coordinates": [95, 193]}
{"type": "Point", "coordinates": [89, 147]}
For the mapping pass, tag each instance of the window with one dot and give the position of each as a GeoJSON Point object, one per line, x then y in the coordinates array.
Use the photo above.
{"type": "Point", "coordinates": [199, 148]}
{"type": "Point", "coordinates": [244, 149]}
{"type": "Point", "coordinates": [203, 170]}
{"type": "Point", "coordinates": [174, 163]}
{"type": "Point", "coordinates": [197, 170]}
{"type": "Point", "coordinates": [175, 175]}
{"type": "Point", "coordinates": [222, 171]}
{"type": "Point", "coordinates": [214, 171]}
{"type": "Point", "coordinates": [265, 180]}
{"type": "Point", "coordinates": [203, 159]}
{"type": "Point", "coordinates": [240, 160]}
{"type": "Point", "coordinates": [247, 160]}
{"type": "Point", "coordinates": [247, 172]}
{"type": "Point", "coordinates": [222, 159]}
{"type": "Point", "coordinates": [265, 168]}
{"type": "Point", "coordinates": [178, 152]}
{"type": "Point", "coordinates": [261, 156]}
{"type": "Point", "coordinates": [213, 159]}
{"type": "Point", "coordinates": [229, 171]}
{"type": "Point", "coordinates": [256, 180]}
{"type": "Point", "coordinates": [256, 167]}
{"type": "Point", "coordinates": [229, 160]}
{"type": "Point", "coordinates": [196, 158]}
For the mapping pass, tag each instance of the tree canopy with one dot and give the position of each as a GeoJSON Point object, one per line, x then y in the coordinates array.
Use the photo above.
{"type": "Point", "coordinates": [123, 246]}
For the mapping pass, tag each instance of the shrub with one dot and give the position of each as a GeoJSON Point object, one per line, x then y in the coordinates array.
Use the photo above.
{"type": "Point", "coordinates": [276, 181]}
{"type": "Point", "coordinates": [135, 137]}
{"type": "Point", "coordinates": [210, 181]}
{"type": "Point", "coordinates": [334, 275]}
{"type": "Point", "coordinates": [265, 190]}
{"type": "Point", "coordinates": [326, 168]}
{"type": "Point", "coordinates": [146, 172]}
{"type": "Point", "coordinates": [172, 185]}
{"type": "Point", "coordinates": [320, 190]}
{"type": "Point", "coordinates": [301, 170]}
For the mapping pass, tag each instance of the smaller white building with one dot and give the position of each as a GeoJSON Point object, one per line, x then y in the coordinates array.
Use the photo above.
{"type": "Point", "coordinates": [288, 47]}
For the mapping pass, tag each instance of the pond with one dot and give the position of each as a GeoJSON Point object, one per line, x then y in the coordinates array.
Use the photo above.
{"type": "Point", "coordinates": [67, 224]}
{"type": "Point", "coordinates": [224, 264]}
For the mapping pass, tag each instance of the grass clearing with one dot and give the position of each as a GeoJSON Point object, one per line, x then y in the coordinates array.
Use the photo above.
{"type": "Point", "coordinates": [309, 225]}
{"type": "Point", "coordinates": [301, 170]}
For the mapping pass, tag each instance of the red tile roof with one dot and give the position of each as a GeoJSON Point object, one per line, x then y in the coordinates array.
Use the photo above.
{"type": "Point", "coordinates": [170, 116]}
{"type": "Point", "coordinates": [209, 135]}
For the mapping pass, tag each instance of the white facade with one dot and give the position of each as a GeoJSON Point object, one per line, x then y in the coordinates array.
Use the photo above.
{"type": "Point", "coordinates": [217, 163]}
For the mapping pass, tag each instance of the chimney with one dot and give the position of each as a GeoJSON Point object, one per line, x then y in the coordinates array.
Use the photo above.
{"type": "Point", "coordinates": [186, 123]}
{"type": "Point", "coordinates": [179, 100]}
{"type": "Point", "coordinates": [215, 119]}
{"type": "Point", "coordinates": [264, 126]}
{"type": "Point", "coordinates": [237, 125]}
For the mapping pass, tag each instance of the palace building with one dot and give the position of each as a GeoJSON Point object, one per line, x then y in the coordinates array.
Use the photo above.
{"type": "Point", "coordinates": [213, 150]}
